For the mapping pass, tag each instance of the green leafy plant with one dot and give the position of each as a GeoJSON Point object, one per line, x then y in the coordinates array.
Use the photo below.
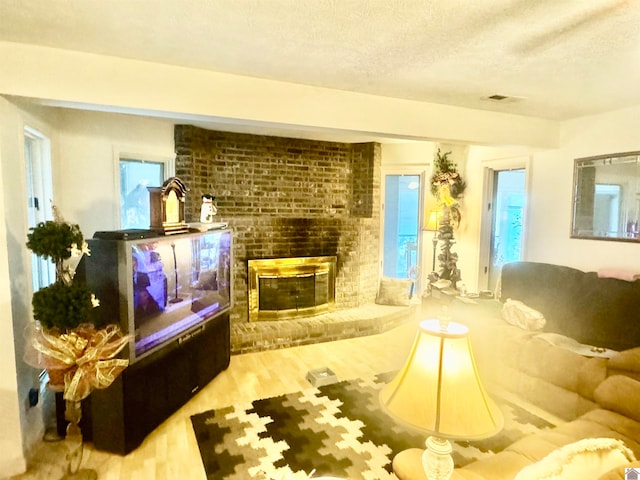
{"type": "Point", "coordinates": [54, 240]}
{"type": "Point", "coordinates": [63, 306]}
{"type": "Point", "coordinates": [445, 173]}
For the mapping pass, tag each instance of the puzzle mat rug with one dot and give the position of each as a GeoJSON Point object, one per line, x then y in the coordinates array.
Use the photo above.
{"type": "Point", "coordinates": [337, 430]}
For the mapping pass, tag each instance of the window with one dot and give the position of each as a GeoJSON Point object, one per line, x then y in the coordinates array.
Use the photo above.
{"type": "Point", "coordinates": [135, 176]}
{"type": "Point", "coordinates": [401, 225]}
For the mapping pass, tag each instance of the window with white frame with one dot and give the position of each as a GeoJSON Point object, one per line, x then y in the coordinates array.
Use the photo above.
{"type": "Point", "coordinates": [136, 175]}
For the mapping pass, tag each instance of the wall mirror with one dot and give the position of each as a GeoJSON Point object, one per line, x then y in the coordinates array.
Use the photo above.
{"type": "Point", "coordinates": [606, 197]}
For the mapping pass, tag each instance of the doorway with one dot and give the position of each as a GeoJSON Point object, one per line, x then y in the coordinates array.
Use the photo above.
{"type": "Point", "coordinates": [507, 220]}
{"type": "Point", "coordinates": [401, 249]}
{"type": "Point", "coordinates": [39, 190]}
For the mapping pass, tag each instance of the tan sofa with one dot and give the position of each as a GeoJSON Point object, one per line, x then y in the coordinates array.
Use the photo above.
{"type": "Point", "coordinates": [595, 396]}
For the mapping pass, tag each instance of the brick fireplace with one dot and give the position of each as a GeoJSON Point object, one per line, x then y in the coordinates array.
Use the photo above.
{"type": "Point", "coordinates": [286, 197]}
{"type": "Point", "coordinates": [292, 287]}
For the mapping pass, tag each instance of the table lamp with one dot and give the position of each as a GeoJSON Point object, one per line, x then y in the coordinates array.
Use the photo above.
{"type": "Point", "coordinates": [438, 391]}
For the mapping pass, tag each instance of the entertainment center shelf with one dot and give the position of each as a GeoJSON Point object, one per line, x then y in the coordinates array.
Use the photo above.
{"type": "Point", "coordinates": [172, 295]}
{"type": "Point", "coordinates": [149, 391]}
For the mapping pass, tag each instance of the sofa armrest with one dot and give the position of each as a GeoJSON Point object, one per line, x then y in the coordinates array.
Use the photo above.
{"type": "Point", "coordinates": [618, 472]}
{"type": "Point", "coordinates": [465, 475]}
{"type": "Point", "coordinates": [626, 362]}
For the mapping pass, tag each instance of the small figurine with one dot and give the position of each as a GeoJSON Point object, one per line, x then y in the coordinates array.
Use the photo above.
{"type": "Point", "coordinates": [208, 209]}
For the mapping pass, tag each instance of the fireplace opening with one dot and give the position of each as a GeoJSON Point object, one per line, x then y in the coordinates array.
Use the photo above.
{"type": "Point", "coordinates": [285, 288]}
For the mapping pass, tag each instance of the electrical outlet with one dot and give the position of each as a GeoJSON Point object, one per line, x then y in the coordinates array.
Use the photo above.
{"type": "Point", "coordinates": [33, 397]}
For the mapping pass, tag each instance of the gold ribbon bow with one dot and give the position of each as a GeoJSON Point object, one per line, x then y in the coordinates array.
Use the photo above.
{"type": "Point", "coordinates": [85, 355]}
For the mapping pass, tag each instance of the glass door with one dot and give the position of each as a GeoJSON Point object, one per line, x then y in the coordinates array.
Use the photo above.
{"type": "Point", "coordinates": [507, 220]}
{"type": "Point", "coordinates": [401, 256]}
{"type": "Point", "coordinates": [39, 183]}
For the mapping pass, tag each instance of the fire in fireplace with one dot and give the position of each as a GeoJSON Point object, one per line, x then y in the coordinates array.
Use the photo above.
{"type": "Point", "coordinates": [285, 288]}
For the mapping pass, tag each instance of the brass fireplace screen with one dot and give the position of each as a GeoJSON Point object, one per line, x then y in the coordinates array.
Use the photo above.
{"type": "Point", "coordinates": [285, 288]}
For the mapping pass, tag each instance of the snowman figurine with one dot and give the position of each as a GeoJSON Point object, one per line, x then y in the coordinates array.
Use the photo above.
{"type": "Point", "coordinates": [208, 209]}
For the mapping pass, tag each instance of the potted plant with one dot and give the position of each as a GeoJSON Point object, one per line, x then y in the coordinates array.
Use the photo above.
{"type": "Point", "coordinates": [78, 355]}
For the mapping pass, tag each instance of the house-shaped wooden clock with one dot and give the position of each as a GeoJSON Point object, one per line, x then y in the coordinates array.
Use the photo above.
{"type": "Point", "coordinates": [167, 206]}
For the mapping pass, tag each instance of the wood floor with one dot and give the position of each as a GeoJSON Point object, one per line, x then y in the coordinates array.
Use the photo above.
{"type": "Point", "coordinates": [171, 452]}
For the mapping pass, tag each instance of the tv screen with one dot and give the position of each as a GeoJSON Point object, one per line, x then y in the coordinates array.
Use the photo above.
{"type": "Point", "coordinates": [163, 288]}
{"type": "Point", "coordinates": [176, 283]}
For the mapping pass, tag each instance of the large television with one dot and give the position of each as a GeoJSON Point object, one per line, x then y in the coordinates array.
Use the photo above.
{"type": "Point", "coordinates": [162, 289]}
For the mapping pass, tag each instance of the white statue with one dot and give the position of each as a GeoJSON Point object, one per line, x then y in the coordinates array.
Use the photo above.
{"type": "Point", "coordinates": [208, 209]}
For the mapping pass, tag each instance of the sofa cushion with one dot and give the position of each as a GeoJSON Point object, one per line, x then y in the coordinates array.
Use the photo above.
{"type": "Point", "coordinates": [394, 291]}
{"type": "Point", "coordinates": [620, 394]}
{"type": "Point", "coordinates": [587, 458]}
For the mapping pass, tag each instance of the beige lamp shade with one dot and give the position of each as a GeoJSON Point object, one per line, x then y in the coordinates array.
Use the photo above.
{"type": "Point", "coordinates": [439, 390]}
{"type": "Point", "coordinates": [433, 221]}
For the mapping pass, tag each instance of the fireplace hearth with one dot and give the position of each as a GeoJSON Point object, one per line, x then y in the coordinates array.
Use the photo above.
{"type": "Point", "coordinates": [286, 288]}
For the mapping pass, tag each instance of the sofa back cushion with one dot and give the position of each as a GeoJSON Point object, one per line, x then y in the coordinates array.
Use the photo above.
{"type": "Point", "coordinates": [620, 394]}
{"type": "Point", "coordinates": [592, 310]}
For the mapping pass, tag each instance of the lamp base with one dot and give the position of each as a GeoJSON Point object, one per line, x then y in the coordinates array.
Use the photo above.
{"type": "Point", "coordinates": [82, 474]}
{"type": "Point", "coordinates": [407, 465]}
{"type": "Point", "coordinates": [436, 459]}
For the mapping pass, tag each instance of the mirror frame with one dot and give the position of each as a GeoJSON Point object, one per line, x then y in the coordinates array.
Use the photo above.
{"type": "Point", "coordinates": [578, 164]}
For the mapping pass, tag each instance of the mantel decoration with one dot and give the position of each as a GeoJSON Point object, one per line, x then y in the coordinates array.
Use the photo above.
{"type": "Point", "coordinates": [167, 206]}
{"type": "Point", "coordinates": [208, 209]}
{"type": "Point", "coordinates": [447, 186]}
{"type": "Point", "coordinates": [78, 355]}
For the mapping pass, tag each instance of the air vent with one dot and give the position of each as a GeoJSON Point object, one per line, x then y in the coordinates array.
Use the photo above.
{"type": "Point", "coordinates": [503, 98]}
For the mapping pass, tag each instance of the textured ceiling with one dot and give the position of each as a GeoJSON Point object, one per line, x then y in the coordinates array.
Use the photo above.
{"type": "Point", "coordinates": [556, 59]}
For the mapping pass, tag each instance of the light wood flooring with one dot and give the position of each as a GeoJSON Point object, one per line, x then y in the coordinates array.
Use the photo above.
{"type": "Point", "coordinates": [171, 452]}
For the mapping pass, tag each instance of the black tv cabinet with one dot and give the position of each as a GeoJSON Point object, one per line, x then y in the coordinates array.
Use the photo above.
{"type": "Point", "coordinates": [149, 391]}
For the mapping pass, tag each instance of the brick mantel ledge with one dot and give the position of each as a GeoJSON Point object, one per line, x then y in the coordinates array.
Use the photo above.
{"type": "Point", "coordinates": [346, 323]}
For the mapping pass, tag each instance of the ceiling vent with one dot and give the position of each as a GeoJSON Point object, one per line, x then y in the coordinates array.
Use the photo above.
{"type": "Point", "coordinates": [503, 98]}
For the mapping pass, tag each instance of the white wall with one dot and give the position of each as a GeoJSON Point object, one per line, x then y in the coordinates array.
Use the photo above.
{"type": "Point", "coordinates": [550, 186]}
{"type": "Point", "coordinates": [21, 426]}
{"type": "Point", "coordinates": [12, 459]}
{"type": "Point", "coordinates": [552, 183]}
{"type": "Point", "coordinates": [90, 143]}
{"type": "Point", "coordinates": [85, 148]}
{"type": "Point", "coordinates": [125, 85]}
